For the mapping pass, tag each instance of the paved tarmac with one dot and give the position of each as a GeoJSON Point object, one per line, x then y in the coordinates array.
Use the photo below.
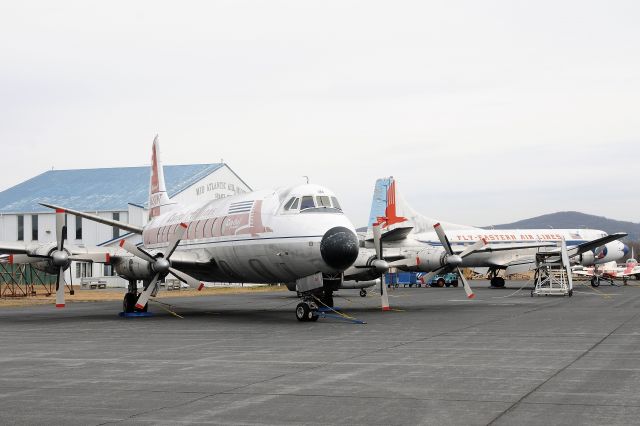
{"type": "Point", "coordinates": [503, 358]}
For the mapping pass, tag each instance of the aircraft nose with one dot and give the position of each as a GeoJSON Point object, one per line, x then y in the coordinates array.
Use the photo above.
{"type": "Point", "coordinates": [339, 247]}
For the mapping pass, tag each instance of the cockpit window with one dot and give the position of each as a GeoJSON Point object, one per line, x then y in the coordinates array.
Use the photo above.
{"type": "Point", "coordinates": [294, 206]}
{"type": "Point", "coordinates": [307, 202]}
{"type": "Point", "coordinates": [323, 201]}
{"type": "Point", "coordinates": [289, 203]}
{"type": "Point", "coordinates": [336, 204]}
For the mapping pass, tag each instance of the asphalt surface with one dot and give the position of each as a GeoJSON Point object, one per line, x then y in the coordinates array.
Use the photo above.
{"type": "Point", "coordinates": [503, 358]}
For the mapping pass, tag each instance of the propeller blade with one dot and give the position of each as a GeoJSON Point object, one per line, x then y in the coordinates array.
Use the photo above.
{"type": "Point", "coordinates": [376, 240]}
{"type": "Point", "coordinates": [22, 259]}
{"type": "Point", "coordinates": [429, 275]}
{"type": "Point", "coordinates": [186, 278]}
{"type": "Point", "coordinates": [134, 250]}
{"type": "Point", "coordinates": [144, 297]}
{"type": "Point", "coordinates": [175, 240]}
{"type": "Point", "coordinates": [443, 238]}
{"type": "Point", "coordinates": [60, 214]}
{"type": "Point", "coordinates": [384, 297]}
{"type": "Point", "coordinates": [565, 261]}
{"type": "Point", "coordinates": [60, 284]}
{"type": "Point", "coordinates": [473, 248]}
{"type": "Point", "coordinates": [465, 284]}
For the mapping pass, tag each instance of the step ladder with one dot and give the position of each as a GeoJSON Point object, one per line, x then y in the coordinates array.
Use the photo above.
{"type": "Point", "coordinates": [553, 273]}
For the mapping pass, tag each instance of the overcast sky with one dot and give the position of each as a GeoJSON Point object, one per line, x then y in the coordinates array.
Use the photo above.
{"type": "Point", "coordinates": [486, 112]}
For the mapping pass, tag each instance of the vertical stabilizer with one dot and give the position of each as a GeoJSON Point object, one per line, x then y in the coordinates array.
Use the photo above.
{"type": "Point", "coordinates": [390, 210]}
{"type": "Point", "coordinates": [159, 201]}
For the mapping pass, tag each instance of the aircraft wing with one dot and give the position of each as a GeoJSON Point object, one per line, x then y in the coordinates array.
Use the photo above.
{"type": "Point", "coordinates": [95, 218]}
{"type": "Point", "coordinates": [7, 247]}
{"type": "Point", "coordinates": [490, 248]}
{"type": "Point", "coordinates": [590, 245]}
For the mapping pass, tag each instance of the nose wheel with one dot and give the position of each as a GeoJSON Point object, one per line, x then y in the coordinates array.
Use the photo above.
{"type": "Point", "coordinates": [304, 312]}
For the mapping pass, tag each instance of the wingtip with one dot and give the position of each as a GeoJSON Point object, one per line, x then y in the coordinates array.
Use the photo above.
{"type": "Point", "coordinates": [59, 305]}
{"type": "Point", "coordinates": [201, 286]}
{"type": "Point", "coordinates": [472, 296]}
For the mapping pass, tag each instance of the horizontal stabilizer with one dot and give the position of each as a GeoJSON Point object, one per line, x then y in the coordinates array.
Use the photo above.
{"type": "Point", "coordinates": [95, 218]}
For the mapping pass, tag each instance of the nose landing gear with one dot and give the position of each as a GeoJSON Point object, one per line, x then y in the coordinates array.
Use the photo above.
{"type": "Point", "coordinates": [306, 311]}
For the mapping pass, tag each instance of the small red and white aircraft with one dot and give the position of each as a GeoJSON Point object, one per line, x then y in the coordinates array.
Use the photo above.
{"type": "Point", "coordinates": [610, 271]}
{"type": "Point", "coordinates": [297, 234]}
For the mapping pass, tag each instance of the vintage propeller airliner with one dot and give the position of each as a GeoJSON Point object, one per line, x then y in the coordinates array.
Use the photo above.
{"type": "Point", "coordinates": [297, 234]}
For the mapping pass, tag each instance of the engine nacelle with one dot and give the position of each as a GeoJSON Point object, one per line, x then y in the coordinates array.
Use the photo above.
{"type": "Point", "coordinates": [44, 265]}
{"type": "Point", "coordinates": [134, 268]}
{"type": "Point", "coordinates": [360, 284]}
{"type": "Point", "coordinates": [587, 259]}
{"type": "Point", "coordinates": [613, 251]}
{"type": "Point", "coordinates": [431, 259]}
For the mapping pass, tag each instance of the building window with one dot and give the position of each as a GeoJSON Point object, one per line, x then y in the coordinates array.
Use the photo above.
{"type": "Point", "coordinates": [78, 228]}
{"type": "Point", "coordinates": [20, 228]}
{"type": "Point", "coordinates": [107, 270]}
{"type": "Point", "coordinates": [115, 231]}
{"type": "Point", "coordinates": [83, 269]}
{"type": "Point", "coordinates": [34, 227]}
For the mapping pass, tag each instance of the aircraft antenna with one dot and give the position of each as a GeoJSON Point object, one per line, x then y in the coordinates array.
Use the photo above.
{"type": "Point", "coordinates": [307, 178]}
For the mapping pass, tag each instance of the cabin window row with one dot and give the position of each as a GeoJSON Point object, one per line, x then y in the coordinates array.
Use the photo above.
{"type": "Point", "coordinates": [205, 228]}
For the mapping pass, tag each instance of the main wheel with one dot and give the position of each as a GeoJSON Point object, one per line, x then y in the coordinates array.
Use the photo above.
{"type": "Point", "coordinates": [129, 302]}
{"type": "Point", "coordinates": [595, 282]}
{"type": "Point", "coordinates": [497, 282]}
{"type": "Point", "coordinates": [363, 293]}
{"type": "Point", "coordinates": [303, 312]}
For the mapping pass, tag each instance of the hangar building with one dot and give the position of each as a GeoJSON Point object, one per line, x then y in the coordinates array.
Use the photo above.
{"type": "Point", "coordinates": [119, 193]}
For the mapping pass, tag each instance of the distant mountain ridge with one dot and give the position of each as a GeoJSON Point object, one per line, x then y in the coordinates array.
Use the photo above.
{"type": "Point", "coordinates": [575, 220]}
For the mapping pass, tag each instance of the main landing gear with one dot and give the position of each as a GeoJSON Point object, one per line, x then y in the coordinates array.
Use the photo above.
{"type": "Point", "coordinates": [496, 281]}
{"type": "Point", "coordinates": [131, 298]}
{"type": "Point", "coordinates": [363, 293]}
{"type": "Point", "coordinates": [307, 310]}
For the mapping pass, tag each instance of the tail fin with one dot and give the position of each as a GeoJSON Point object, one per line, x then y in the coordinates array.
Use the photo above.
{"type": "Point", "coordinates": [159, 201]}
{"type": "Point", "coordinates": [388, 208]}
{"type": "Point", "coordinates": [383, 205]}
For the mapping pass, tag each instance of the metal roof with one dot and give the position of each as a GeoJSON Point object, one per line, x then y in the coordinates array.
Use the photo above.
{"type": "Point", "coordinates": [109, 189]}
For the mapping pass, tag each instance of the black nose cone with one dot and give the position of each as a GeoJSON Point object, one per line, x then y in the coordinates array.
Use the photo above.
{"type": "Point", "coordinates": [339, 247]}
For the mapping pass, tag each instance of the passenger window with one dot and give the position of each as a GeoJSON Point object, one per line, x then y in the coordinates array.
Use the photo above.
{"type": "Point", "coordinates": [323, 201]}
{"type": "Point", "coordinates": [307, 203]}
{"type": "Point", "coordinates": [289, 203]}
{"type": "Point", "coordinates": [336, 204]}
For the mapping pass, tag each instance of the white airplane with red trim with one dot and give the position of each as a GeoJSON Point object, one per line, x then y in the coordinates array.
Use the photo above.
{"type": "Point", "coordinates": [415, 242]}
{"type": "Point", "coordinates": [610, 271]}
{"type": "Point", "coordinates": [297, 234]}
